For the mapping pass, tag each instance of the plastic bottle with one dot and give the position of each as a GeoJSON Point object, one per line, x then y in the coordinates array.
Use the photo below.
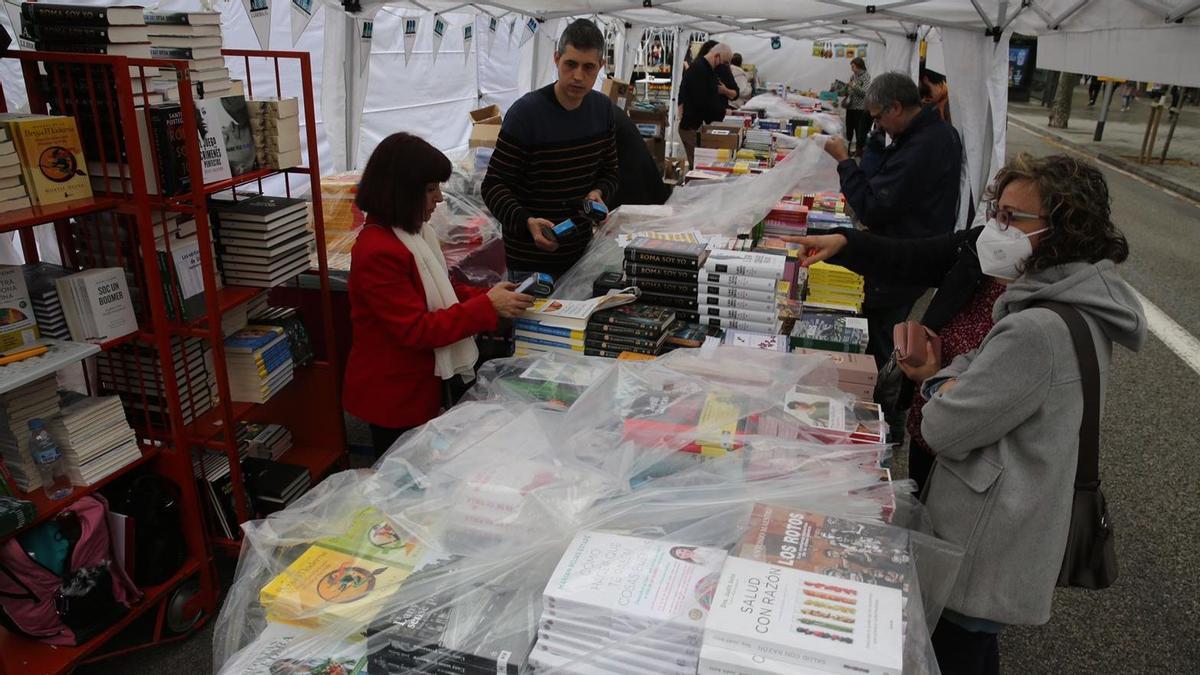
{"type": "Point", "coordinates": [49, 461]}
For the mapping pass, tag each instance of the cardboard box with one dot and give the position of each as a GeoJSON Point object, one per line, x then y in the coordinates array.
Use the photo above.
{"type": "Point", "coordinates": [620, 91]}
{"type": "Point", "coordinates": [484, 136]}
{"type": "Point", "coordinates": [853, 369]}
{"type": "Point", "coordinates": [719, 137]}
{"type": "Point", "coordinates": [488, 115]}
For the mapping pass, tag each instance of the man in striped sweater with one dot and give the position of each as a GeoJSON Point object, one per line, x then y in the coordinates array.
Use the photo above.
{"type": "Point", "coordinates": [556, 148]}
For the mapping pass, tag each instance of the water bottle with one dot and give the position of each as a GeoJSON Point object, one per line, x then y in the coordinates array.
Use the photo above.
{"type": "Point", "coordinates": [49, 461]}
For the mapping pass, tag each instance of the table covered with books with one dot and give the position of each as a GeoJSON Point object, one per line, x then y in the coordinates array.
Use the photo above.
{"type": "Point", "coordinates": [720, 509]}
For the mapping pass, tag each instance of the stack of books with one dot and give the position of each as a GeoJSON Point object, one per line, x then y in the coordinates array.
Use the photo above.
{"type": "Point", "coordinates": [36, 400]}
{"type": "Point", "coordinates": [554, 325]}
{"type": "Point", "coordinates": [94, 438]}
{"type": "Point", "coordinates": [43, 294]}
{"type": "Point", "coordinates": [834, 288]}
{"type": "Point", "coordinates": [667, 273]}
{"type": "Point", "coordinates": [195, 37]}
{"type": "Point", "coordinates": [816, 619]}
{"type": "Point", "coordinates": [13, 193]}
{"type": "Point", "coordinates": [263, 241]}
{"type": "Point", "coordinates": [274, 485]}
{"type": "Point", "coordinates": [97, 304]}
{"type": "Point", "coordinates": [742, 290]}
{"type": "Point", "coordinates": [134, 372]}
{"type": "Point", "coordinates": [213, 473]}
{"type": "Point", "coordinates": [259, 362]}
{"type": "Point", "coordinates": [264, 441]}
{"type": "Point", "coordinates": [591, 622]}
{"type": "Point", "coordinates": [638, 328]}
{"type": "Point", "coordinates": [115, 31]}
{"type": "Point", "coordinates": [786, 218]}
{"type": "Point", "coordinates": [289, 319]}
{"type": "Point", "coordinates": [275, 123]}
{"type": "Point", "coordinates": [826, 210]}
{"type": "Point", "coordinates": [831, 332]}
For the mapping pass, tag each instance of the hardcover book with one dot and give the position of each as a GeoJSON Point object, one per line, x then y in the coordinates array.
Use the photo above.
{"type": "Point", "coordinates": [653, 251]}
{"type": "Point", "coordinates": [213, 157]}
{"type": "Point", "coordinates": [166, 124]}
{"type": "Point", "coordinates": [234, 122]}
{"type": "Point", "coordinates": [52, 159]}
{"type": "Point", "coordinates": [82, 15]}
{"type": "Point", "coordinates": [636, 315]}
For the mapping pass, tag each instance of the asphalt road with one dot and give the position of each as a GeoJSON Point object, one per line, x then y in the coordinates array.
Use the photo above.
{"type": "Point", "coordinates": [1149, 467]}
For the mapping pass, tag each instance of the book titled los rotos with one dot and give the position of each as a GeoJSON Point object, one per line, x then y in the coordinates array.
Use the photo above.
{"type": "Point", "coordinates": [52, 161]}
{"type": "Point", "coordinates": [805, 619]}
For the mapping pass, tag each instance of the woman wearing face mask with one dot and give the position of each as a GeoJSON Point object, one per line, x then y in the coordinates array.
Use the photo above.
{"type": "Point", "coordinates": [412, 326]}
{"type": "Point", "coordinates": [1004, 419]}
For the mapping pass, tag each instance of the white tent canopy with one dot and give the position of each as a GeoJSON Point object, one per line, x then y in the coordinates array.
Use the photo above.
{"type": "Point", "coordinates": [369, 87]}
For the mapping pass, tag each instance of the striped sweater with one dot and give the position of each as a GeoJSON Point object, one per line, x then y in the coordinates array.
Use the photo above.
{"type": "Point", "coordinates": [547, 159]}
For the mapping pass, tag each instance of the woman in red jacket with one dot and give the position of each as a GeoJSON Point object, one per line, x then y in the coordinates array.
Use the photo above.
{"type": "Point", "coordinates": [413, 327]}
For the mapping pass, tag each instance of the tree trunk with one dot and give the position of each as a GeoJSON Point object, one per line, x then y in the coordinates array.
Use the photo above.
{"type": "Point", "coordinates": [1060, 112]}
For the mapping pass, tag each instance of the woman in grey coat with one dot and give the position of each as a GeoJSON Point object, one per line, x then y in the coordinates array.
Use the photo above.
{"type": "Point", "coordinates": [1004, 419]}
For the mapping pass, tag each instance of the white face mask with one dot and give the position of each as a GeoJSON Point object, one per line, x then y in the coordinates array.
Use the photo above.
{"type": "Point", "coordinates": [1003, 251]}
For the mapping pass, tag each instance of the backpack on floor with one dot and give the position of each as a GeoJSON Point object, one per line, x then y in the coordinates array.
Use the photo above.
{"type": "Point", "coordinates": [58, 581]}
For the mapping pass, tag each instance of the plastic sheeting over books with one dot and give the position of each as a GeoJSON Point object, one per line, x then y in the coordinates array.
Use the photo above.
{"type": "Point", "coordinates": [471, 545]}
{"type": "Point", "coordinates": [723, 208]}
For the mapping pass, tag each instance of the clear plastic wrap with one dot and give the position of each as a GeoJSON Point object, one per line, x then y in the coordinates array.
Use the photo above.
{"type": "Point", "coordinates": [444, 557]}
{"type": "Point", "coordinates": [777, 107]}
{"type": "Point", "coordinates": [721, 208]}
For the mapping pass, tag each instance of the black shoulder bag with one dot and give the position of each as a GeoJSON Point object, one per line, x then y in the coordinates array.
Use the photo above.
{"type": "Point", "coordinates": [1090, 560]}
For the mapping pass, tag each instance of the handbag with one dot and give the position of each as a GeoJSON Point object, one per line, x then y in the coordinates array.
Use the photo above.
{"type": "Point", "coordinates": [893, 390]}
{"type": "Point", "coordinates": [1090, 559]}
{"type": "Point", "coordinates": [911, 340]}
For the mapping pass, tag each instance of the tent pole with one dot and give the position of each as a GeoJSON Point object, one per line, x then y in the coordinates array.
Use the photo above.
{"type": "Point", "coordinates": [1108, 97]}
{"type": "Point", "coordinates": [350, 74]}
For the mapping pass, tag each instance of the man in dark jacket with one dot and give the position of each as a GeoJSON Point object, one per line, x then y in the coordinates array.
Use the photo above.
{"type": "Point", "coordinates": [911, 191]}
{"type": "Point", "coordinates": [640, 177]}
{"type": "Point", "coordinates": [701, 96]}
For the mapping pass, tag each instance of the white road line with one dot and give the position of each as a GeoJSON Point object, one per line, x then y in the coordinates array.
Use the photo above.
{"type": "Point", "coordinates": [1184, 344]}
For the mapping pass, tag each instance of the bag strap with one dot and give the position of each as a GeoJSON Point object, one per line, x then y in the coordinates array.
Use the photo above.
{"type": "Point", "coordinates": [1087, 470]}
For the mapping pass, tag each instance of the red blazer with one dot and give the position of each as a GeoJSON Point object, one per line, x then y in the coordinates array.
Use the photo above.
{"type": "Point", "coordinates": [389, 373]}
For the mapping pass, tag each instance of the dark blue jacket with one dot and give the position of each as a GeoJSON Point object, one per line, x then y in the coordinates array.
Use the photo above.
{"type": "Point", "coordinates": [910, 192]}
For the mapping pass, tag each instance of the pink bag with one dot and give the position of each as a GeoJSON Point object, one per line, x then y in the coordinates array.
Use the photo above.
{"type": "Point", "coordinates": [92, 593]}
{"type": "Point", "coordinates": [911, 339]}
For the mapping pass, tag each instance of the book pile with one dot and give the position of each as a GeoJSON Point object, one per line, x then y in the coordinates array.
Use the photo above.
{"type": "Point", "coordinates": [259, 362]}
{"type": "Point", "coordinates": [667, 273]}
{"type": "Point", "coordinates": [834, 288]}
{"type": "Point", "coordinates": [709, 427]}
{"type": "Point", "coordinates": [263, 241]}
{"type": "Point", "coordinates": [826, 210]}
{"type": "Point", "coordinates": [40, 281]}
{"type": "Point", "coordinates": [638, 328]}
{"type": "Point", "coordinates": [275, 124]}
{"type": "Point", "coordinates": [97, 304]}
{"type": "Point", "coordinates": [289, 319]}
{"type": "Point", "coordinates": [341, 216]}
{"type": "Point", "coordinates": [13, 193]}
{"type": "Point", "coordinates": [264, 441]}
{"type": "Point", "coordinates": [831, 332]}
{"type": "Point", "coordinates": [837, 603]}
{"type": "Point", "coordinates": [196, 38]}
{"type": "Point", "coordinates": [14, 513]}
{"type": "Point", "coordinates": [94, 438]}
{"type": "Point", "coordinates": [115, 31]}
{"type": "Point", "coordinates": [51, 157]}
{"type": "Point", "coordinates": [786, 218]}
{"type": "Point", "coordinates": [811, 413]}
{"type": "Point", "coordinates": [36, 400]}
{"type": "Point", "coordinates": [552, 324]}
{"type": "Point", "coordinates": [591, 623]}
{"type": "Point", "coordinates": [274, 485]}
{"type": "Point", "coordinates": [742, 290]}
{"type": "Point", "coordinates": [213, 472]}
{"type": "Point", "coordinates": [134, 372]}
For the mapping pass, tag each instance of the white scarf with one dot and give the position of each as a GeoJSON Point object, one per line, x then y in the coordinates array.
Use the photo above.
{"type": "Point", "coordinates": [460, 357]}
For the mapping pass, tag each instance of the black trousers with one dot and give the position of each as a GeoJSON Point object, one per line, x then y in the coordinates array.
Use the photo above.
{"type": "Point", "coordinates": [858, 124]}
{"type": "Point", "coordinates": [383, 437]}
{"type": "Point", "coordinates": [963, 652]}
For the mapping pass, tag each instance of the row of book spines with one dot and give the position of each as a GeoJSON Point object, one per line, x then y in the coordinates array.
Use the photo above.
{"type": "Point", "coordinates": [766, 280]}
{"type": "Point", "coordinates": [634, 255]}
{"type": "Point", "coordinates": [592, 329]}
{"type": "Point", "coordinates": [725, 286]}
{"type": "Point", "coordinates": [630, 344]}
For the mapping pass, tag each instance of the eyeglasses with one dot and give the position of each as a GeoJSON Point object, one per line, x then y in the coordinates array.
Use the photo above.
{"type": "Point", "coordinates": [1006, 216]}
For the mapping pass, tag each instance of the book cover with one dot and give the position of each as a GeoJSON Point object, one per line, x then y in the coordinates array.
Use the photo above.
{"type": "Point", "coordinates": [52, 159]}
{"type": "Point", "coordinates": [234, 122]}
{"type": "Point", "coordinates": [807, 619]}
{"type": "Point", "coordinates": [713, 426]}
{"type": "Point", "coordinates": [573, 314]}
{"type": "Point", "coordinates": [654, 251]}
{"type": "Point", "coordinates": [636, 315]}
{"type": "Point", "coordinates": [284, 648]}
{"type": "Point", "coordinates": [45, 12]}
{"type": "Point", "coordinates": [827, 545]}
{"type": "Point", "coordinates": [324, 585]}
{"type": "Point", "coordinates": [652, 285]}
{"type": "Point", "coordinates": [741, 263]}
{"type": "Point", "coordinates": [185, 283]}
{"type": "Point", "coordinates": [597, 329]}
{"type": "Point", "coordinates": [213, 158]}
{"type": "Point", "coordinates": [258, 209]}
{"type": "Point", "coordinates": [166, 125]}
{"type": "Point", "coordinates": [104, 296]}
{"type": "Point", "coordinates": [252, 339]}
{"type": "Point", "coordinates": [18, 325]}
{"type": "Point", "coordinates": [643, 271]}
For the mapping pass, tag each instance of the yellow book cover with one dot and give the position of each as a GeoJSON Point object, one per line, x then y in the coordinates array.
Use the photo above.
{"type": "Point", "coordinates": [51, 158]}
{"type": "Point", "coordinates": [324, 585]}
{"type": "Point", "coordinates": [719, 420]}
{"type": "Point", "coordinates": [371, 535]}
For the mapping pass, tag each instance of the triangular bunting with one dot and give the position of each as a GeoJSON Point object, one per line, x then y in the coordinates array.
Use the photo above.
{"type": "Point", "coordinates": [366, 32]}
{"type": "Point", "coordinates": [260, 19]}
{"type": "Point", "coordinates": [493, 23]}
{"type": "Point", "coordinates": [514, 25]}
{"type": "Point", "coordinates": [411, 25]}
{"type": "Point", "coordinates": [468, 34]}
{"type": "Point", "coordinates": [531, 29]}
{"type": "Point", "coordinates": [302, 14]}
{"type": "Point", "coordinates": [439, 32]}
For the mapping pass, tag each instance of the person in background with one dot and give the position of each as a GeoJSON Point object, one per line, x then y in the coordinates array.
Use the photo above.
{"type": "Point", "coordinates": [1094, 90]}
{"type": "Point", "coordinates": [1128, 90]}
{"type": "Point", "coordinates": [412, 326]}
{"type": "Point", "coordinates": [640, 177]}
{"type": "Point", "coordinates": [728, 86]}
{"type": "Point", "coordinates": [744, 90]}
{"type": "Point", "coordinates": [935, 91]}
{"type": "Point", "coordinates": [858, 122]}
{"type": "Point", "coordinates": [701, 97]}
{"type": "Point", "coordinates": [911, 192]}
{"type": "Point", "coordinates": [556, 148]}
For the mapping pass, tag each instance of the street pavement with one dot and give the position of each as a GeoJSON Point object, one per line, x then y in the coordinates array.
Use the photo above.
{"type": "Point", "coordinates": [1149, 467]}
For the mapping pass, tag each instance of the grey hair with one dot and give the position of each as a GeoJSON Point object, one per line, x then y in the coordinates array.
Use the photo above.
{"type": "Point", "coordinates": [893, 87]}
{"type": "Point", "coordinates": [583, 35]}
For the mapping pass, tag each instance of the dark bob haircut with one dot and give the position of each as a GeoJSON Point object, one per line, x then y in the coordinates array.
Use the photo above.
{"type": "Point", "coordinates": [1075, 200]}
{"type": "Point", "coordinates": [858, 61]}
{"type": "Point", "coordinates": [392, 189]}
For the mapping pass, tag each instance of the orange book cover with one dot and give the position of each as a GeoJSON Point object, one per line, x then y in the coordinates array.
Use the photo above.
{"type": "Point", "coordinates": [51, 158]}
